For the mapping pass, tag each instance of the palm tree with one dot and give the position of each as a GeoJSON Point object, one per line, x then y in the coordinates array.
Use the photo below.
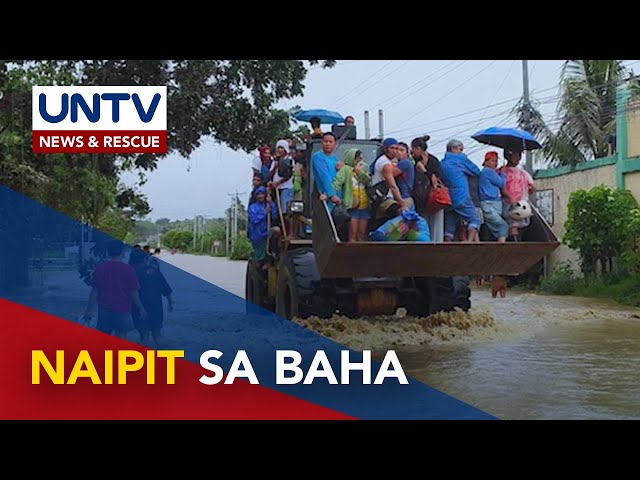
{"type": "Point", "coordinates": [586, 112]}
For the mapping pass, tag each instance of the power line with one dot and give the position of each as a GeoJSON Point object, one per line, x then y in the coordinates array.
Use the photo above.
{"type": "Point", "coordinates": [447, 94]}
{"type": "Point", "coordinates": [509, 112]}
{"type": "Point", "coordinates": [541, 101]}
{"type": "Point", "coordinates": [554, 121]}
{"type": "Point", "coordinates": [511, 100]}
{"type": "Point", "coordinates": [384, 102]}
{"type": "Point", "coordinates": [504, 80]}
{"type": "Point", "coordinates": [451, 127]}
{"type": "Point", "coordinates": [372, 85]}
{"type": "Point", "coordinates": [533, 67]}
{"type": "Point", "coordinates": [362, 83]}
{"type": "Point", "coordinates": [430, 83]}
{"type": "Point", "coordinates": [465, 132]}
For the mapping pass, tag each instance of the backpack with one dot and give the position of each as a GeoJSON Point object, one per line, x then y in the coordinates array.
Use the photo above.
{"type": "Point", "coordinates": [421, 188]}
{"type": "Point", "coordinates": [285, 167]}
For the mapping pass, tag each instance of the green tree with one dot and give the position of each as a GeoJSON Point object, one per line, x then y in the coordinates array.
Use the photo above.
{"type": "Point", "coordinates": [232, 101]}
{"type": "Point", "coordinates": [81, 186]}
{"type": "Point", "coordinates": [242, 248]}
{"type": "Point", "coordinates": [168, 238]}
{"type": "Point", "coordinates": [143, 230]}
{"type": "Point", "coordinates": [602, 224]}
{"type": "Point", "coordinates": [116, 223]}
{"type": "Point", "coordinates": [163, 224]}
{"type": "Point", "coordinates": [586, 111]}
{"type": "Point", "coordinates": [180, 240]}
{"type": "Point", "coordinates": [631, 257]}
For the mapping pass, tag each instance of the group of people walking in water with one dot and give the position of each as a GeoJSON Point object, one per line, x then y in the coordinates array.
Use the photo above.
{"type": "Point", "coordinates": [129, 295]}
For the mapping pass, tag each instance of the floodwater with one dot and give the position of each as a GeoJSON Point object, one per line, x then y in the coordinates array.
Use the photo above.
{"type": "Point", "coordinates": [526, 356]}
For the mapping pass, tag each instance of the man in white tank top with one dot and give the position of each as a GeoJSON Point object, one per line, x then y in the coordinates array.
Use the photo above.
{"type": "Point", "coordinates": [383, 170]}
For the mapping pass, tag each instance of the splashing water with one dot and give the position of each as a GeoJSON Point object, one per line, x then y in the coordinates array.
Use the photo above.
{"type": "Point", "coordinates": [379, 332]}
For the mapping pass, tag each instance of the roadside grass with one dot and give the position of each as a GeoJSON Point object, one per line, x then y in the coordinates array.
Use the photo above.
{"type": "Point", "coordinates": [624, 289]}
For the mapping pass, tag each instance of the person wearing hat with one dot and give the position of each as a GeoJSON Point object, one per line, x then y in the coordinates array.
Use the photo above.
{"type": "Point", "coordinates": [384, 170]}
{"type": "Point", "coordinates": [262, 163]}
{"type": "Point", "coordinates": [258, 222]}
{"type": "Point", "coordinates": [281, 174]}
{"type": "Point", "coordinates": [490, 185]}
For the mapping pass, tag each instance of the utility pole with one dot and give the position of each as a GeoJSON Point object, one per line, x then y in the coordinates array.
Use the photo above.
{"type": "Point", "coordinates": [202, 232]}
{"type": "Point", "coordinates": [380, 124]}
{"type": "Point", "coordinates": [367, 127]}
{"type": "Point", "coordinates": [527, 112]}
{"type": "Point", "coordinates": [227, 238]}
{"type": "Point", "coordinates": [232, 223]}
{"type": "Point", "coordinates": [235, 218]}
{"type": "Point", "coordinates": [195, 232]}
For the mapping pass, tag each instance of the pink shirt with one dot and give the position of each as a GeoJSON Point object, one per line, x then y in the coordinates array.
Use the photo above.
{"type": "Point", "coordinates": [517, 183]}
{"type": "Point", "coordinates": [115, 281]}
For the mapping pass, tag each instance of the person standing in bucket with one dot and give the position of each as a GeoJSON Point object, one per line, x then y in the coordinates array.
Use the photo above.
{"type": "Point", "coordinates": [455, 168]}
{"type": "Point", "coordinates": [323, 165]}
{"type": "Point", "coordinates": [518, 186]}
{"type": "Point", "coordinates": [490, 185]}
{"type": "Point", "coordinates": [383, 169]}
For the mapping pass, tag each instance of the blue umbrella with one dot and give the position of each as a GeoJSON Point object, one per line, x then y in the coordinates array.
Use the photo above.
{"type": "Point", "coordinates": [509, 138]}
{"type": "Point", "coordinates": [325, 116]}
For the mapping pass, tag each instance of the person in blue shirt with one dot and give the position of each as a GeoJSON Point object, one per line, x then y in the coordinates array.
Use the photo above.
{"type": "Point", "coordinates": [456, 166]}
{"type": "Point", "coordinates": [323, 164]}
{"type": "Point", "coordinates": [490, 185]}
{"type": "Point", "coordinates": [490, 189]}
{"type": "Point", "coordinates": [258, 228]}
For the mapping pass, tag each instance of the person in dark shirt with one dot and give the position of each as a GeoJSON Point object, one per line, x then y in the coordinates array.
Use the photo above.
{"type": "Point", "coordinates": [429, 165]}
{"type": "Point", "coordinates": [256, 182]}
{"type": "Point", "coordinates": [425, 161]}
{"type": "Point", "coordinates": [153, 286]}
{"type": "Point", "coordinates": [315, 126]}
{"type": "Point", "coordinates": [406, 178]}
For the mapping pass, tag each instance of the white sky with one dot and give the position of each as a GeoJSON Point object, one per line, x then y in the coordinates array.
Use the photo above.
{"type": "Point", "coordinates": [416, 96]}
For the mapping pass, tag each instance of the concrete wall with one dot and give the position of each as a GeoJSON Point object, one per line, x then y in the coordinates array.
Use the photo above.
{"type": "Point", "coordinates": [562, 186]}
{"type": "Point", "coordinates": [633, 128]}
{"type": "Point", "coordinates": [632, 183]}
{"type": "Point", "coordinates": [563, 181]}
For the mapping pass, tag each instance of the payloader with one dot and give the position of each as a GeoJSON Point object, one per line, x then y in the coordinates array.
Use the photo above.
{"type": "Point", "coordinates": [319, 274]}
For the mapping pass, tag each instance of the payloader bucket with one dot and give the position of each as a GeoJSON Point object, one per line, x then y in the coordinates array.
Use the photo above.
{"type": "Point", "coordinates": [338, 259]}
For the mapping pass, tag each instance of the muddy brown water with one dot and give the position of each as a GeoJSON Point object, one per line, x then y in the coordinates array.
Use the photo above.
{"type": "Point", "coordinates": [526, 356]}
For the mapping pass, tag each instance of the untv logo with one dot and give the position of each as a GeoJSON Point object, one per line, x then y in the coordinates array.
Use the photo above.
{"type": "Point", "coordinates": [99, 119]}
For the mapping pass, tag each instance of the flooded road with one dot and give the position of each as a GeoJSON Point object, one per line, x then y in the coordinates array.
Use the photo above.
{"type": "Point", "coordinates": [522, 357]}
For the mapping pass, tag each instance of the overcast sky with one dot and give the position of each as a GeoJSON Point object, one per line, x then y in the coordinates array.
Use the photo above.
{"type": "Point", "coordinates": [416, 96]}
